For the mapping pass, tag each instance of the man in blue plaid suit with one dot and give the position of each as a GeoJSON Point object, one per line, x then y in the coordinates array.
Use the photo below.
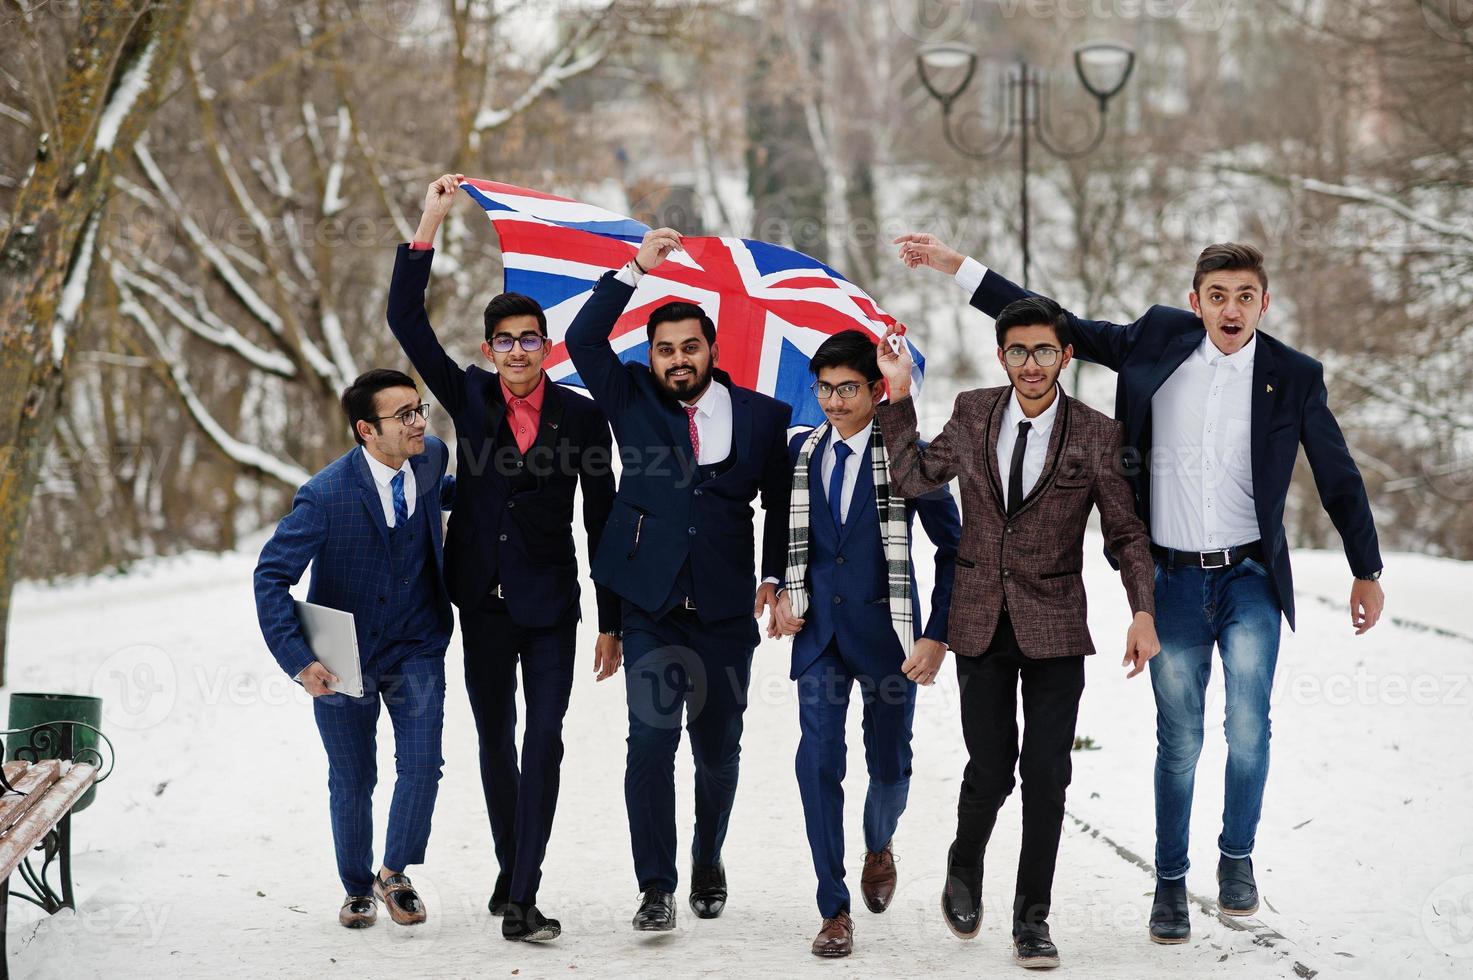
{"type": "Point", "coordinates": [369, 524]}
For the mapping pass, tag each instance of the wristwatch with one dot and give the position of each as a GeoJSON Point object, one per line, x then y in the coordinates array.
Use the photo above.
{"type": "Point", "coordinates": [616, 634]}
{"type": "Point", "coordinates": [1371, 577]}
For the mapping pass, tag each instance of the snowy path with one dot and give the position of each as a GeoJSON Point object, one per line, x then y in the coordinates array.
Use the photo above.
{"type": "Point", "coordinates": [208, 854]}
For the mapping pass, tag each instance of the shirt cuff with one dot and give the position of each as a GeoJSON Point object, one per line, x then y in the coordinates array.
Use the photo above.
{"type": "Point", "coordinates": [971, 274]}
{"type": "Point", "coordinates": [426, 246]}
{"type": "Point", "coordinates": [629, 275]}
{"type": "Point", "coordinates": [770, 580]}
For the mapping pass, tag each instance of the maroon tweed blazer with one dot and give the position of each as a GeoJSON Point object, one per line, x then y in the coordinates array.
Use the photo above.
{"type": "Point", "coordinates": [1034, 561]}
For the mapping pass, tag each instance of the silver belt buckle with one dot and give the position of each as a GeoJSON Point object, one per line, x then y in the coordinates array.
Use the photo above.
{"type": "Point", "coordinates": [1226, 558]}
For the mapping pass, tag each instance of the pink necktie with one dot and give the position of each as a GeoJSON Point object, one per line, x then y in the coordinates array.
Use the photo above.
{"type": "Point", "coordinates": [695, 436]}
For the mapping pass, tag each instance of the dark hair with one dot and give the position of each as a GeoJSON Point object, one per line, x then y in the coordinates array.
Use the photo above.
{"type": "Point", "coordinates": [513, 304]}
{"type": "Point", "coordinates": [1031, 311]}
{"type": "Point", "coordinates": [847, 348]}
{"type": "Point", "coordinates": [359, 396]}
{"type": "Point", "coordinates": [1231, 256]}
{"type": "Point", "coordinates": [673, 312]}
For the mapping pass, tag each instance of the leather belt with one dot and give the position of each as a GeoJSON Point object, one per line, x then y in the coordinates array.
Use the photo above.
{"type": "Point", "coordinates": [1222, 558]}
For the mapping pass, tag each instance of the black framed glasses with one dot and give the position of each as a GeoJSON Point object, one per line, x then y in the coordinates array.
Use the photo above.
{"type": "Point", "coordinates": [418, 415]}
{"type": "Point", "coordinates": [502, 343]}
{"type": "Point", "coordinates": [1042, 356]}
{"type": "Point", "coordinates": [847, 390]}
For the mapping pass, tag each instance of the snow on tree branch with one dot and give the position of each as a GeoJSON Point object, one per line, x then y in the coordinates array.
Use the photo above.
{"type": "Point", "coordinates": [125, 95]}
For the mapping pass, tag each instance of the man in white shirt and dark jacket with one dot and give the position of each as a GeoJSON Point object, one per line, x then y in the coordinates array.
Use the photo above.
{"type": "Point", "coordinates": [1215, 411]}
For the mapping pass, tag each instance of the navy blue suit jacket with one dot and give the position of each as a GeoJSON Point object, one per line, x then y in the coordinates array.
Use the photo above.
{"type": "Point", "coordinates": [668, 510]}
{"type": "Point", "coordinates": [866, 635]}
{"type": "Point", "coordinates": [514, 522]}
{"type": "Point", "coordinates": [1290, 407]}
{"type": "Point", "coordinates": [337, 525]}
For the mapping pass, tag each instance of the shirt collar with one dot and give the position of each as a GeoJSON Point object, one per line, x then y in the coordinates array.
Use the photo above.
{"type": "Point", "coordinates": [711, 400]}
{"type": "Point", "coordinates": [1045, 420]}
{"type": "Point", "coordinates": [382, 475]}
{"type": "Point", "coordinates": [533, 399]}
{"type": "Point", "coordinates": [1239, 360]}
{"type": "Point", "coordinates": [858, 442]}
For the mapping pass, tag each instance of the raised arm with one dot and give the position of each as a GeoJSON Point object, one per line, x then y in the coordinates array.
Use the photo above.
{"type": "Point", "coordinates": [408, 320]}
{"type": "Point", "coordinates": [914, 471]}
{"type": "Point", "coordinates": [587, 339]}
{"type": "Point", "coordinates": [1097, 341]}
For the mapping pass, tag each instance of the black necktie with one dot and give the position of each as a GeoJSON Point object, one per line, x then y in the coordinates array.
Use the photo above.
{"type": "Point", "coordinates": [1015, 473]}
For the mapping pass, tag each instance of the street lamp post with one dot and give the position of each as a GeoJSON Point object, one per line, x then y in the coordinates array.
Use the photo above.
{"type": "Point", "coordinates": [1103, 68]}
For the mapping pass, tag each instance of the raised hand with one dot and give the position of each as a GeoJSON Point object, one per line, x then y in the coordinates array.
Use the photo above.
{"type": "Point", "coordinates": [657, 245]}
{"type": "Point", "coordinates": [896, 367]}
{"type": "Point", "coordinates": [919, 248]}
{"type": "Point", "coordinates": [438, 200]}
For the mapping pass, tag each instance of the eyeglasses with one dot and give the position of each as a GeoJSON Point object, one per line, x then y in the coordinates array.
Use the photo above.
{"type": "Point", "coordinates": [502, 343]}
{"type": "Point", "coordinates": [420, 412]}
{"type": "Point", "coordinates": [847, 390]}
{"type": "Point", "coordinates": [1042, 356]}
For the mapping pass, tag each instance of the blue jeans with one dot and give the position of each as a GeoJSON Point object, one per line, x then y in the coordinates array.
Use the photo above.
{"type": "Point", "coordinates": [1235, 609]}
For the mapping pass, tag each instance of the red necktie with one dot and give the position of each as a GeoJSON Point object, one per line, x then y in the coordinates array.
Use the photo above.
{"type": "Point", "coordinates": [695, 435]}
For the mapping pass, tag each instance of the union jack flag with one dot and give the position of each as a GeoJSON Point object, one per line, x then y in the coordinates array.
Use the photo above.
{"type": "Point", "coordinates": [772, 306]}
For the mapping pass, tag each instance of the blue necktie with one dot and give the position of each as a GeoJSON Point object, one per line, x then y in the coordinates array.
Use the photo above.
{"type": "Point", "coordinates": [842, 452]}
{"type": "Point", "coordinates": [401, 506]}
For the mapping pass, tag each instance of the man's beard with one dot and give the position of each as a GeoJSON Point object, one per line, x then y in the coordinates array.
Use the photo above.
{"type": "Point", "coordinates": [689, 390]}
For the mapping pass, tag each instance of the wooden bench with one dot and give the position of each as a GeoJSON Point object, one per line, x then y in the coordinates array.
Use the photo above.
{"type": "Point", "coordinates": [37, 793]}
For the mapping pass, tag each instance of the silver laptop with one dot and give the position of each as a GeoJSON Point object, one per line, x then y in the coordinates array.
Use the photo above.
{"type": "Point", "coordinates": [334, 641]}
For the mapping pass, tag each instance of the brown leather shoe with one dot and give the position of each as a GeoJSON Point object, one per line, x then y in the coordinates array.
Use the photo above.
{"type": "Point", "coordinates": [399, 897]}
{"type": "Point", "coordinates": [877, 883]}
{"type": "Point", "coordinates": [836, 938]}
{"type": "Point", "coordinates": [358, 912]}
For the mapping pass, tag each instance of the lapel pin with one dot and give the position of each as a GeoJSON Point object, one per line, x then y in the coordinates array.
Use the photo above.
{"type": "Point", "coordinates": [1269, 389]}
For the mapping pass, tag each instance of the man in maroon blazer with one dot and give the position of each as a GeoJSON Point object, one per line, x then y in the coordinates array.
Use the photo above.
{"type": "Point", "coordinates": [1032, 463]}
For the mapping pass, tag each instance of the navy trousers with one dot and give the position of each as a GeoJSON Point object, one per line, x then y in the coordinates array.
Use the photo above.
{"type": "Point", "coordinates": [413, 691]}
{"type": "Point", "coordinates": [823, 707]}
{"type": "Point", "coordinates": [675, 668]}
{"type": "Point", "coordinates": [521, 801]}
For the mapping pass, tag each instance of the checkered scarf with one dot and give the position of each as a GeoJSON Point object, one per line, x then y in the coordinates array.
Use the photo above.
{"type": "Point", "coordinates": [894, 534]}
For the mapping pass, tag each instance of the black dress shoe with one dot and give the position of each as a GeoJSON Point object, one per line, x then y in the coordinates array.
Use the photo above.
{"type": "Point", "coordinates": [708, 891]}
{"type": "Point", "coordinates": [1034, 952]}
{"type": "Point", "coordinates": [523, 923]}
{"type": "Point", "coordinates": [1171, 914]}
{"type": "Point", "coordinates": [1237, 893]}
{"type": "Point", "coordinates": [500, 895]}
{"type": "Point", "coordinates": [656, 912]}
{"type": "Point", "coordinates": [961, 898]}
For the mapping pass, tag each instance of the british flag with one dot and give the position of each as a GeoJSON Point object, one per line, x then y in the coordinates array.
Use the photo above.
{"type": "Point", "coordinates": [772, 306]}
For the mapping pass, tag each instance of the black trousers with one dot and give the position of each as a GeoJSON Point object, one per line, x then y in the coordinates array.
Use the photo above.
{"type": "Point", "coordinates": [989, 700]}
{"type": "Point", "coordinates": [520, 801]}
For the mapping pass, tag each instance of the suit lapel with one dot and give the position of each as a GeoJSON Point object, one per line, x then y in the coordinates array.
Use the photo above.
{"type": "Point", "coordinates": [495, 410]}
{"type": "Point", "coordinates": [989, 457]}
{"type": "Point", "coordinates": [863, 499]}
{"type": "Point", "coordinates": [368, 492]}
{"type": "Point", "coordinates": [551, 419]}
{"type": "Point", "coordinates": [1264, 396]}
{"type": "Point", "coordinates": [741, 421]}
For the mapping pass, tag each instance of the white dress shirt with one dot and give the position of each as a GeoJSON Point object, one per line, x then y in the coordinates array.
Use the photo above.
{"type": "Point", "coordinates": [1035, 454]}
{"type": "Point", "coordinates": [1201, 460]}
{"type": "Point", "coordinates": [971, 274]}
{"type": "Point", "coordinates": [713, 423]}
{"type": "Point", "coordinates": [382, 477]}
{"type": "Point", "coordinates": [858, 442]}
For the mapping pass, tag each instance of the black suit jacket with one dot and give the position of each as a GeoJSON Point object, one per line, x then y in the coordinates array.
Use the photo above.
{"type": "Point", "coordinates": [513, 521]}
{"type": "Point", "coordinates": [1290, 408]}
{"type": "Point", "coordinates": [670, 511]}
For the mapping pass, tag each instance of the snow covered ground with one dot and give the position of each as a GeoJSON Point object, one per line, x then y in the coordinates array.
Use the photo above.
{"type": "Point", "coordinates": [208, 852]}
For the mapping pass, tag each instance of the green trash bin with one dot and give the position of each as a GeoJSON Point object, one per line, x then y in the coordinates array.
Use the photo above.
{"type": "Point", "coordinates": [28, 709]}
